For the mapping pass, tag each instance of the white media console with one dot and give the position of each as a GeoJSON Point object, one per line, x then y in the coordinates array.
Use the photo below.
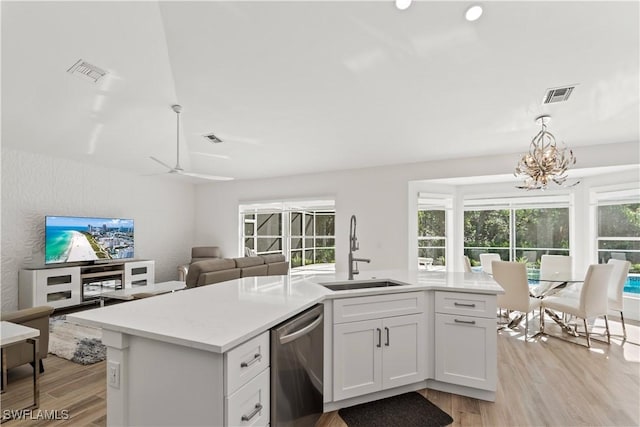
{"type": "Point", "coordinates": [61, 287]}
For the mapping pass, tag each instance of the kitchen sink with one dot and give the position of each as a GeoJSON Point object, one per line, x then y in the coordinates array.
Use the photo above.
{"type": "Point", "coordinates": [347, 286]}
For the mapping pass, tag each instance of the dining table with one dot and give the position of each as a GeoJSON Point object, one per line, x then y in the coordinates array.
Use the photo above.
{"type": "Point", "coordinates": [550, 283]}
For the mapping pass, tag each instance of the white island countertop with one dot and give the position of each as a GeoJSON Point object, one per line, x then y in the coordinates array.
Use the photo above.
{"type": "Point", "coordinates": [220, 316]}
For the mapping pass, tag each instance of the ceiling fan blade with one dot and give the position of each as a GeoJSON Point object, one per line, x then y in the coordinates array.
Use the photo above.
{"type": "Point", "coordinates": [204, 176]}
{"type": "Point", "coordinates": [162, 163]}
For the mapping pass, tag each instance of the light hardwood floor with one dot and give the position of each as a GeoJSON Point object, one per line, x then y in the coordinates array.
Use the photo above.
{"type": "Point", "coordinates": [545, 381]}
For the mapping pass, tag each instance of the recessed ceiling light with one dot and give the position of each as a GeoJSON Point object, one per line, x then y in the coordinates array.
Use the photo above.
{"type": "Point", "coordinates": [403, 4]}
{"type": "Point", "coordinates": [473, 13]}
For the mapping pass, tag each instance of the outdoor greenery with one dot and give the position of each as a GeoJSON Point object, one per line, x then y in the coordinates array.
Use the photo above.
{"type": "Point", "coordinates": [488, 228]}
{"type": "Point", "coordinates": [619, 220]}
{"type": "Point", "coordinates": [431, 233]}
{"type": "Point", "coordinates": [542, 228]}
{"type": "Point", "coordinates": [619, 232]}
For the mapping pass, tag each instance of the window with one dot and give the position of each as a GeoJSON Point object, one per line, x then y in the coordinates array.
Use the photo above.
{"type": "Point", "coordinates": [312, 238]}
{"type": "Point", "coordinates": [540, 231]}
{"type": "Point", "coordinates": [518, 229]}
{"type": "Point", "coordinates": [263, 233]}
{"type": "Point", "coordinates": [431, 238]}
{"type": "Point", "coordinates": [433, 211]}
{"type": "Point", "coordinates": [618, 236]}
{"type": "Point", "coordinates": [486, 231]}
{"type": "Point", "coordinates": [303, 231]}
{"type": "Point", "coordinates": [616, 211]}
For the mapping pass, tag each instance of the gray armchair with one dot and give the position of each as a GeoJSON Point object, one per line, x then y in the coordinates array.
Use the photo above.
{"type": "Point", "coordinates": [199, 253]}
{"type": "Point", "coordinates": [37, 318]}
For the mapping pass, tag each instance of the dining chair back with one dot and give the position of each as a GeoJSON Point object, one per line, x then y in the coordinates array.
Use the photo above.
{"type": "Point", "coordinates": [593, 298]}
{"type": "Point", "coordinates": [619, 255]}
{"type": "Point", "coordinates": [552, 266]}
{"type": "Point", "coordinates": [485, 261]}
{"type": "Point", "coordinates": [467, 264]}
{"type": "Point", "coordinates": [512, 276]}
{"type": "Point", "coordinates": [591, 302]}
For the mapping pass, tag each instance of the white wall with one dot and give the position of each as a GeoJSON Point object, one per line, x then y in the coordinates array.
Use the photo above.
{"type": "Point", "coordinates": [379, 197]}
{"type": "Point", "coordinates": [34, 185]}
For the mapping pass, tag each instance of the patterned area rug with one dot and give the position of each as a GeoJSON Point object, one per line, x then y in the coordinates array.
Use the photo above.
{"type": "Point", "coordinates": [78, 343]}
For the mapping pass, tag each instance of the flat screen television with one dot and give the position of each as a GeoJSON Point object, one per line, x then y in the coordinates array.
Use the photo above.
{"type": "Point", "coordinates": [79, 239]}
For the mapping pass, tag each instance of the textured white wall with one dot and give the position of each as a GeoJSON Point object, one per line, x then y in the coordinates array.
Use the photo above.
{"type": "Point", "coordinates": [35, 185]}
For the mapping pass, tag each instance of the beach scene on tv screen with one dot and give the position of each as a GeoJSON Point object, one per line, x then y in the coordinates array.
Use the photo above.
{"type": "Point", "coordinates": [72, 239]}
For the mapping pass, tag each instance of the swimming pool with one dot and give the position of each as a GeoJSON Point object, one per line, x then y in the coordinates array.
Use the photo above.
{"type": "Point", "coordinates": [632, 285]}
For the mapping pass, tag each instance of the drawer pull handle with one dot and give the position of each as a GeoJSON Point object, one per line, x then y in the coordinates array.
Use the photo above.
{"type": "Point", "coordinates": [468, 322]}
{"type": "Point", "coordinates": [253, 413]}
{"type": "Point", "coordinates": [379, 337]}
{"type": "Point", "coordinates": [459, 304]}
{"type": "Point", "coordinates": [387, 331]}
{"type": "Point", "coordinates": [256, 357]}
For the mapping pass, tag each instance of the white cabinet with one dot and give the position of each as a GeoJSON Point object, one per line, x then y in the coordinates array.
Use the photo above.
{"type": "Point", "coordinates": [404, 350]}
{"type": "Point", "coordinates": [139, 273]}
{"type": "Point", "coordinates": [247, 383]}
{"type": "Point", "coordinates": [56, 287]}
{"type": "Point", "coordinates": [465, 340]}
{"type": "Point", "coordinates": [357, 358]}
{"type": "Point", "coordinates": [69, 286]}
{"type": "Point", "coordinates": [380, 353]}
{"type": "Point", "coordinates": [249, 406]}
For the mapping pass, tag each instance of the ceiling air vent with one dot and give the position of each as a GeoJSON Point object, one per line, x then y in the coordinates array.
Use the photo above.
{"type": "Point", "coordinates": [212, 138]}
{"type": "Point", "coordinates": [87, 71]}
{"type": "Point", "coordinates": [558, 94]}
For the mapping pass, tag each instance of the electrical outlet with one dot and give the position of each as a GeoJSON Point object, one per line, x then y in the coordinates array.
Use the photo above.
{"type": "Point", "coordinates": [113, 374]}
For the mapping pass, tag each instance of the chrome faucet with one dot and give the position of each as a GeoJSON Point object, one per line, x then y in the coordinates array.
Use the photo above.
{"type": "Point", "coordinates": [354, 246]}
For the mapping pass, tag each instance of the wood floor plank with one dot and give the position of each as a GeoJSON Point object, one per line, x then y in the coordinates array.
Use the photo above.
{"type": "Point", "coordinates": [544, 381]}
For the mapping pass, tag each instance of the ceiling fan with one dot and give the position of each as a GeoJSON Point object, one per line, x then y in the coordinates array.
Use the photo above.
{"type": "Point", "coordinates": [178, 169]}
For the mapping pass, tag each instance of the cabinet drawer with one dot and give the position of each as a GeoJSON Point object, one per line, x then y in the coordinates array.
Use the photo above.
{"type": "Point", "coordinates": [249, 406]}
{"type": "Point", "coordinates": [464, 304]}
{"type": "Point", "coordinates": [245, 361]}
{"type": "Point", "coordinates": [377, 306]}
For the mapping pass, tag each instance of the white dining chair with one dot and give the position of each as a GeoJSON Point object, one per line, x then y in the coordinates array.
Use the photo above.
{"type": "Point", "coordinates": [486, 260]}
{"type": "Point", "coordinates": [552, 266]}
{"type": "Point", "coordinates": [512, 276]}
{"type": "Point", "coordinates": [590, 302]}
{"type": "Point", "coordinates": [467, 264]}
{"type": "Point", "coordinates": [615, 290]}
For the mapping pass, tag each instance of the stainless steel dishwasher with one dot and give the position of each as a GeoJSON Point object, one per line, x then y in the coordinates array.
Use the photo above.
{"type": "Point", "coordinates": [296, 369]}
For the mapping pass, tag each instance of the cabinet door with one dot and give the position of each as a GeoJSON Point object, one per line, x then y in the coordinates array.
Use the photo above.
{"type": "Point", "coordinates": [466, 351]}
{"type": "Point", "coordinates": [139, 273]}
{"type": "Point", "coordinates": [357, 358]}
{"type": "Point", "coordinates": [58, 287]}
{"type": "Point", "coordinates": [404, 356]}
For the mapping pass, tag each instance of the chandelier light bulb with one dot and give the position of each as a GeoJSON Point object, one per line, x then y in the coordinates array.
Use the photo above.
{"type": "Point", "coordinates": [403, 4]}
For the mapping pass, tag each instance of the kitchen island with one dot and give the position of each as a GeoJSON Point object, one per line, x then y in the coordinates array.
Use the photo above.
{"type": "Point", "coordinates": [172, 358]}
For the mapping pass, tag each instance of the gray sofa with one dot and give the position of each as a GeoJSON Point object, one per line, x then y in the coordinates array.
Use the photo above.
{"type": "Point", "coordinates": [208, 271]}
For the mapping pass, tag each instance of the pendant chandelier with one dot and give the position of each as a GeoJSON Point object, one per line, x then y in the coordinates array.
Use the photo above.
{"type": "Point", "coordinates": [545, 162]}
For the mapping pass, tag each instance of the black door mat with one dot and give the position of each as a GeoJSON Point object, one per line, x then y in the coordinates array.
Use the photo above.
{"type": "Point", "coordinates": [405, 410]}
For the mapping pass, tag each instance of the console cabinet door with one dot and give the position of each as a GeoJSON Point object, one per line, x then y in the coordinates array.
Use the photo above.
{"type": "Point", "coordinates": [404, 359]}
{"type": "Point", "coordinates": [466, 351]}
{"type": "Point", "coordinates": [357, 358]}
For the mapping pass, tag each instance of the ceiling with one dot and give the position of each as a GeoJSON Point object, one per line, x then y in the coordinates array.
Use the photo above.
{"type": "Point", "coordinates": [311, 86]}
